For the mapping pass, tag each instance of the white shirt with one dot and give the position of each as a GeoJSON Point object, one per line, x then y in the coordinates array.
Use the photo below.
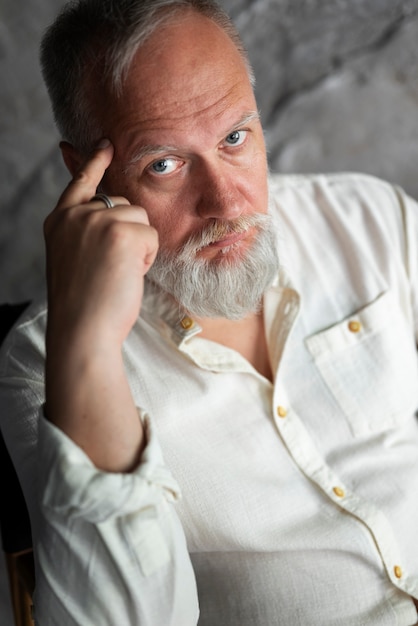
{"type": "Point", "coordinates": [299, 498]}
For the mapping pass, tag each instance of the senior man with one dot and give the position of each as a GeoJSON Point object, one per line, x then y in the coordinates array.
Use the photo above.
{"type": "Point", "coordinates": [257, 332]}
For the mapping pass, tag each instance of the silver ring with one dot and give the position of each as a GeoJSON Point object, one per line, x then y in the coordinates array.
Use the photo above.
{"type": "Point", "coordinates": [104, 198]}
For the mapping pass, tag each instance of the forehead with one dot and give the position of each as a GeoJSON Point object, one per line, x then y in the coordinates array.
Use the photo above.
{"type": "Point", "coordinates": [188, 73]}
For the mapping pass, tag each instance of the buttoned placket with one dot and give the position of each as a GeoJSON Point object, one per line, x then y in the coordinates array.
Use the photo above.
{"type": "Point", "coordinates": [281, 309]}
{"type": "Point", "coordinates": [309, 460]}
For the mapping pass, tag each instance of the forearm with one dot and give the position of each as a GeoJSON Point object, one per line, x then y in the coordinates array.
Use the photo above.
{"type": "Point", "coordinates": [96, 261]}
{"type": "Point", "coordinates": [89, 399]}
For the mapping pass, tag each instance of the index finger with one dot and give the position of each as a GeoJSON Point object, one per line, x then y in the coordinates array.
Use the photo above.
{"type": "Point", "coordinates": [85, 182]}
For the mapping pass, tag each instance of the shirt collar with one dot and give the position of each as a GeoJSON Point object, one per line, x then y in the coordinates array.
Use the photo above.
{"type": "Point", "coordinates": [161, 311]}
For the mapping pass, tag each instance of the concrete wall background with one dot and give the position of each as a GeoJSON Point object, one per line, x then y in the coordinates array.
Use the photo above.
{"type": "Point", "coordinates": [337, 85]}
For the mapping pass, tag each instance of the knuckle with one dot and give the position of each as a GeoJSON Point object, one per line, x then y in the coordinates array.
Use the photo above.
{"type": "Point", "coordinates": [122, 200]}
{"type": "Point", "coordinates": [142, 216]}
{"type": "Point", "coordinates": [81, 177]}
{"type": "Point", "coordinates": [61, 218]}
{"type": "Point", "coordinates": [116, 232]}
{"type": "Point", "coordinates": [154, 232]}
{"type": "Point", "coordinates": [53, 220]}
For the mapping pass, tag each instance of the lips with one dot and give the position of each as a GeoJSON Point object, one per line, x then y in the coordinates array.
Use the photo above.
{"type": "Point", "coordinates": [229, 240]}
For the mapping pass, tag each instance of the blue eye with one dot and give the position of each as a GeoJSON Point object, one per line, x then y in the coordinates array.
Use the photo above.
{"type": "Point", "coordinates": [164, 166]}
{"type": "Point", "coordinates": [236, 138]}
{"type": "Point", "coordinates": [160, 167]}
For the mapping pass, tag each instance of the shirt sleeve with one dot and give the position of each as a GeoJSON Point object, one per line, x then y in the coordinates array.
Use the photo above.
{"type": "Point", "coordinates": [120, 535]}
{"type": "Point", "coordinates": [109, 547]}
{"type": "Point", "coordinates": [409, 209]}
{"type": "Point", "coordinates": [71, 486]}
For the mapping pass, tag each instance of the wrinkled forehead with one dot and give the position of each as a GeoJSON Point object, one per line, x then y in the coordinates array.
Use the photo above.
{"type": "Point", "coordinates": [187, 58]}
{"type": "Point", "coordinates": [187, 85]}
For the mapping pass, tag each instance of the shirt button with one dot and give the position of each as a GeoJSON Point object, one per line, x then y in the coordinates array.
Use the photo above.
{"type": "Point", "coordinates": [398, 571]}
{"type": "Point", "coordinates": [354, 326]}
{"type": "Point", "coordinates": [281, 411]}
{"type": "Point", "coordinates": [187, 323]}
{"type": "Point", "coordinates": [339, 492]}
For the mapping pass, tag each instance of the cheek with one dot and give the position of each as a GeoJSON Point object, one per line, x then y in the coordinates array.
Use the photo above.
{"type": "Point", "coordinates": [257, 185]}
{"type": "Point", "coordinates": [165, 229]}
{"type": "Point", "coordinates": [171, 223]}
{"type": "Point", "coordinates": [164, 213]}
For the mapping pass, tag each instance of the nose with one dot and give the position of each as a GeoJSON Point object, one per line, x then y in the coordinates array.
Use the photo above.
{"type": "Point", "coordinates": [220, 196]}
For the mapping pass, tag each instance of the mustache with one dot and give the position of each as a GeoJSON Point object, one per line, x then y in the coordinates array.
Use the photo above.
{"type": "Point", "coordinates": [218, 229]}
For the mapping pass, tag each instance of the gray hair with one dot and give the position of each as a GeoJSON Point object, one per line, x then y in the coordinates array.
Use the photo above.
{"type": "Point", "coordinates": [105, 35]}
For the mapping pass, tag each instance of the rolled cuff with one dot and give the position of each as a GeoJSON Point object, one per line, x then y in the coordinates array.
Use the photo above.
{"type": "Point", "coordinates": [72, 486]}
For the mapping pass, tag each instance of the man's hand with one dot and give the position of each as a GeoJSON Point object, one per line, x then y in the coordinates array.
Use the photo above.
{"type": "Point", "coordinates": [96, 257]}
{"type": "Point", "coordinates": [96, 262]}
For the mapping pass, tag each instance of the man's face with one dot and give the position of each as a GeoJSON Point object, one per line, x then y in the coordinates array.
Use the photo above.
{"type": "Point", "coordinates": [189, 147]}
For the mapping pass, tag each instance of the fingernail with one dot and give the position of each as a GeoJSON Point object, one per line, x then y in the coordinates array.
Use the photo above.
{"type": "Point", "coordinates": [102, 144]}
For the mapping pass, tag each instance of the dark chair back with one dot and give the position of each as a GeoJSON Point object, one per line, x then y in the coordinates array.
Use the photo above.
{"type": "Point", "coordinates": [15, 527]}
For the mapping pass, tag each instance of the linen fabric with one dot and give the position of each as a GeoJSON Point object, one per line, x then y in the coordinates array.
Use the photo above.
{"type": "Point", "coordinates": [299, 498]}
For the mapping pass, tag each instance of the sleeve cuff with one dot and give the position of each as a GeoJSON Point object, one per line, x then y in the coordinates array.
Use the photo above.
{"type": "Point", "coordinates": [70, 485]}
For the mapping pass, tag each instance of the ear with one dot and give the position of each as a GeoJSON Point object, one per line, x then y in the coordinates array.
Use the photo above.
{"type": "Point", "coordinates": [72, 158]}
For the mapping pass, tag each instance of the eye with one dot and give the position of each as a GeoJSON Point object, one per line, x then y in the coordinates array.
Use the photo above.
{"type": "Point", "coordinates": [236, 138]}
{"type": "Point", "coordinates": [164, 166]}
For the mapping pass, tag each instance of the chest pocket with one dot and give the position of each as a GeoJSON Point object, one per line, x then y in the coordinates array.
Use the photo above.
{"type": "Point", "coordinates": [369, 362]}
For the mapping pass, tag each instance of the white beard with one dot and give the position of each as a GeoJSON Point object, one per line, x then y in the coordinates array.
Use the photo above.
{"type": "Point", "coordinates": [221, 287]}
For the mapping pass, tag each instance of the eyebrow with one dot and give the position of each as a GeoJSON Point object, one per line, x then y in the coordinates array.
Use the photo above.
{"type": "Point", "coordinates": [152, 149]}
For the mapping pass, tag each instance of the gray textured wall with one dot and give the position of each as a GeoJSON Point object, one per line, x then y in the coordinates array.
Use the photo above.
{"type": "Point", "coordinates": [337, 85]}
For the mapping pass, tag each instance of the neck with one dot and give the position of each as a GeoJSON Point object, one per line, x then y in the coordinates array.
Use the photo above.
{"type": "Point", "coordinates": [246, 336]}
